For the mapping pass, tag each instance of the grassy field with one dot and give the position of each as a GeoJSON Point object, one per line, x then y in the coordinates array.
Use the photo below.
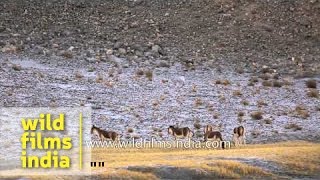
{"type": "Point", "coordinates": [286, 160]}
{"type": "Point", "coordinates": [279, 160]}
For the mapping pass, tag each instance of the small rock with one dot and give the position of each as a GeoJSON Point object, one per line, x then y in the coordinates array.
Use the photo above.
{"type": "Point", "coordinates": [70, 48]}
{"type": "Point", "coordinates": [90, 53]}
{"type": "Point", "coordinates": [2, 29]}
{"type": "Point", "coordinates": [162, 63]}
{"type": "Point", "coordinates": [55, 45]}
{"type": "Point", "coordinates": [117, 61]}
{"type": "Point", "coordinates": [66, 54]}
{"type": "Point", "coordinates": [122, 51]}
{"type": "Point", "coordinates": [109, 52]}
{"type": "Point", "coordinates": [16, 67]}
{"type": "Point", "coordinates": [155, 48]}
{"type": "Point", "coordinates": [91, 59]}
{"type": "Point", "coordinates": [117, 45]}
{"type": "Point", "coordinates": [9, 49]}
{"type": "Point", "coordinates": [148, 54]}
{"type": "Point", "coordinates": [138, 53]}
{"type": "Point", "coordinates": [2, 43]}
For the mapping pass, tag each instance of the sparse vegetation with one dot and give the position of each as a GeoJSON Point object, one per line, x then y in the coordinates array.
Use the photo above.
{"type": "Point", "coordinates": [257, 115]}
{"type": "Point", "coordinates": [198, 102]}
{"type": "Point", "coordinates": [311, 83]}
{"type": "Point", "coordinates": [255, 133]}
{"type": "Point", "coordinates": [91, 69]}
{"type": "Point", "coordinates": [254, 79]}
{"type": "Point", "coordinates": [237, 93]}
{"type": "Point", "coordinates": [225, 82]}
{"type": "Point", "coordinates": [222, 97]}
{"type": "Point", "coordinates": [67, 54]}
{"type": "Point", "coordinates": [240, 114]}
{"type": "Point", "coordinates": [99, 78]}
{"type": "Point", "coordinates": [194, 88]}
{"type": "Point", "coordinates": [139, 72]}
{"type": "Point", "coordinates": [267, 83]}
{"type": "Point", "coordinates": [314, 93]}
{"type": "Point", "coordinates": [265, 76]}
{"type": "Point", "coordinates": [287, 82]}
{"type": "Point", "coordinates": [250, 84]}
{"type": "Point", "coordinates": [245, 102]}
{"type": "Point", "coordinates": [130, 130]}
{"type": "Point", "coordinates": [293, 126]}
{"type": "Point", "coordinates": [79, 75]}
{"type": "Point", "coordinates": [155, 103]}
{"type": "Point", "coordinates": [149, 75]}
{"type": "Point", "coordinates": [268, 121]}
{"type": "Point", "coordinates": [261, 103]}
{"type": "Point", "coordinates": [16, 67]}
{"type": "Point", "coordinates": [277, 84]}
{"type": "Point", "coordinates": [197, 125]}
{"type": "Point", "coordinates": [302, 112]}
{"type": "Point", "coordinates": [216, 115]}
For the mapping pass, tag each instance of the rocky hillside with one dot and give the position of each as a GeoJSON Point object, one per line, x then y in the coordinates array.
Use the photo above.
{"type": "Point", "coordinates": [244, 34]}
{"type": "Point", "coordinates": [145, 64]}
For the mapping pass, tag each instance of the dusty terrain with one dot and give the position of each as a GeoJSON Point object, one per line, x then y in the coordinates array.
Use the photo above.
{"type": "Point", "coordinates": [145, 65]}
{"type": "Point", "coordinates": [239, 34]}
{"type": "Point", "coordinates": [127, 61]}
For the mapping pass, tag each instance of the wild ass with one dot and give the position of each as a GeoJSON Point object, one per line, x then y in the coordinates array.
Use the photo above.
{"type": "Point", "coordinates": [104, 135]}
{"type": "Point", "coordinates": [239, 136]}
{"type": "Point", "coordinates": [211, 135]}
{"type": "Point", "coordinates": [180, 132]}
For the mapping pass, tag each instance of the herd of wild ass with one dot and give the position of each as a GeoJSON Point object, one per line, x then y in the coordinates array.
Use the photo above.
{"type": "Point", "coordinates": [210, 134]}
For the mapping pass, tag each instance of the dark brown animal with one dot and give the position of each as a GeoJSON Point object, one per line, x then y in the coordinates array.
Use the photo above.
{"type": "Point", "coordinates": [214, 136]}
{"type": "Point", "coordinates": [180, 132]}
{"type": "Point", "coordinates": [208, 128]}
{"type": "Point", "coordinates": [105, 135]}
{"type": "Point", "coordinates": [239, 136]}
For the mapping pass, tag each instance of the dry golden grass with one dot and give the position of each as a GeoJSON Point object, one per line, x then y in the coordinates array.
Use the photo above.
{"type": "Point", "coordinates": [237, 93]}
{"type": "Point", "coordinates": [302, 112]}
{"type": "Point", "coordinates": [314, 93]}
{"type": "Point", "coordinates": [198, 102]}
{"type": "Point", "coordinates": [267, 83]}
{"type": "Point", "coordinates": [293, 126]}
{"type": "Point", "coordinates": [298, 158]}
{"type": "Point", "coordinates": [295, 159]}
{"type": "Point", "coordinates": [99, 78]}
{"type": "Point", "coordinates": [311, 83]}
{"type": "Point", "coordinates": [257, 115]}
{"type": "Point", "coordinates": [149, 75]}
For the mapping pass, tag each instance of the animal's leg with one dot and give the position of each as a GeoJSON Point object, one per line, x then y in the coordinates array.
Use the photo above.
{"type": "Point", "coordinates": [243, 140]}
{"type": "Point", "coordinates": [235, 140]}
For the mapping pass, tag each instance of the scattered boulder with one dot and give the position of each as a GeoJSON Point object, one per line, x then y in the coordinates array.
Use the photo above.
{"type": "Point", "coordinates": [122, 51]}
{"type": "Point", "coordinates": [117, 45]}
{"type": "Point", "coordinates": [162, 63]}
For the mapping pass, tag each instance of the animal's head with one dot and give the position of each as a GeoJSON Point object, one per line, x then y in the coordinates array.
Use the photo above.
{"type": "Point", "coordinates": [208, 128]}
{"type": "Point", "coordinates": [170, 129]}
{"type": "Point", "coordinates": [93, 128]}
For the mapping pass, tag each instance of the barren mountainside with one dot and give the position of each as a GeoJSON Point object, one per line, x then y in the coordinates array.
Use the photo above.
{"type": "Point", "coordinates": [243, 33]}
